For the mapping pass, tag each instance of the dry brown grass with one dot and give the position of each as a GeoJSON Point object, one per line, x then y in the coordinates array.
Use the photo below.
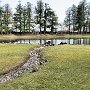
{"type": "Point", "coordinates": [40, 36]}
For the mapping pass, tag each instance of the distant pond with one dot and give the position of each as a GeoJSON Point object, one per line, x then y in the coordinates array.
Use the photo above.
{"type": "Point", "coordinates": [73, 41]}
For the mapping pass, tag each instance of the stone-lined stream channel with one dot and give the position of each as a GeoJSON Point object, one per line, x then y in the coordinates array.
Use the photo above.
{"type": "Point", "coordinates": [31, 65]}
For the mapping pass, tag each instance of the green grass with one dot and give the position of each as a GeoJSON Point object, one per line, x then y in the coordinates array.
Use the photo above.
{"type": "Point", "coordinates": [12, 55]}
{"type": "Point", "coordinates": [68, 68]}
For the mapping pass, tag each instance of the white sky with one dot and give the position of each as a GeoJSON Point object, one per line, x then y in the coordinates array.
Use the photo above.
{"type": "Point", "coordinates": [59, 6]}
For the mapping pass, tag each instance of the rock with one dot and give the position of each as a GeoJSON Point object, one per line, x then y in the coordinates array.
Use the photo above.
{"type": "Point", "coordinates": [62, 43]}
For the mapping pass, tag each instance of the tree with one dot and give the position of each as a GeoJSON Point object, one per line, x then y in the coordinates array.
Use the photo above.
{"type": "Point", "coordinates": [18, 17]}
{"type": "Point", "coordinates": [46, 10]}
{"type": "Point", "coordinates": [74, 17]}
{"type": "Point", "coordinates": [45, 18]}
{"type": "Point", "coordinates": [80, 17]}
{"type": "Point", "coordinates": [52, 20]}
{"type": "Point", "coordinates": [67, 20]}
{"type": "Point", "coordinates": [24, 19]}
{"type": "Point", "coordinates": [39, 14]}
{"type": "Point", "coordinates": [87, 18]}
{"type": "Point", "coordinates": [30, 20]}
{"type": "Point", "coordinates": [84, 15]}
{"type": "Point", "coordinates": [1, 18]}
{"type": "Point", "coordinates": [6, 18]}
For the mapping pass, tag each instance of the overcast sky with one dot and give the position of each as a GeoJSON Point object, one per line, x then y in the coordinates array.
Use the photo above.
{"type": "Point", "coordinates": [59, 6]}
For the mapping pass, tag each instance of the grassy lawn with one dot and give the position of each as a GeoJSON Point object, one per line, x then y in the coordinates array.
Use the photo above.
{"type": "Point", "coordinates": [68, 68]}
{"type": "Point", "coordinates": [12, 55]}
{"type": "Point", "coordinates": [42, 36]}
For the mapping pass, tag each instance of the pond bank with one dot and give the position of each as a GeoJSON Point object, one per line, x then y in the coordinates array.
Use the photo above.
{"type": "Point", "coordinates": [42, 36]}
{"type": "Point", "coordinates": [32, 65]}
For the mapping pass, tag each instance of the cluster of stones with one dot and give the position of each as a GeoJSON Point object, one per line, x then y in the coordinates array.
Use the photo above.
{"type": "Point", "coordinates": [32, 65]}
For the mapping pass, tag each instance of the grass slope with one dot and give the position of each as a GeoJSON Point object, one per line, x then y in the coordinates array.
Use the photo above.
{"type": "Point", "coordinates": [12, 55]}
{"type": "Point", "coordinates": [68, 68]}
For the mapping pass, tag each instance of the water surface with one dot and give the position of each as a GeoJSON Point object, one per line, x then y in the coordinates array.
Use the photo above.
{"type": "Point", "coordinates": [73, 41]}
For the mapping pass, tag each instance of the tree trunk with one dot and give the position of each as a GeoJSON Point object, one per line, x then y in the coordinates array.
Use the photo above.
{"type": "Point", "coordinates": [40, 28]}
{"type": "Point", "coordinates": [44, 26]}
